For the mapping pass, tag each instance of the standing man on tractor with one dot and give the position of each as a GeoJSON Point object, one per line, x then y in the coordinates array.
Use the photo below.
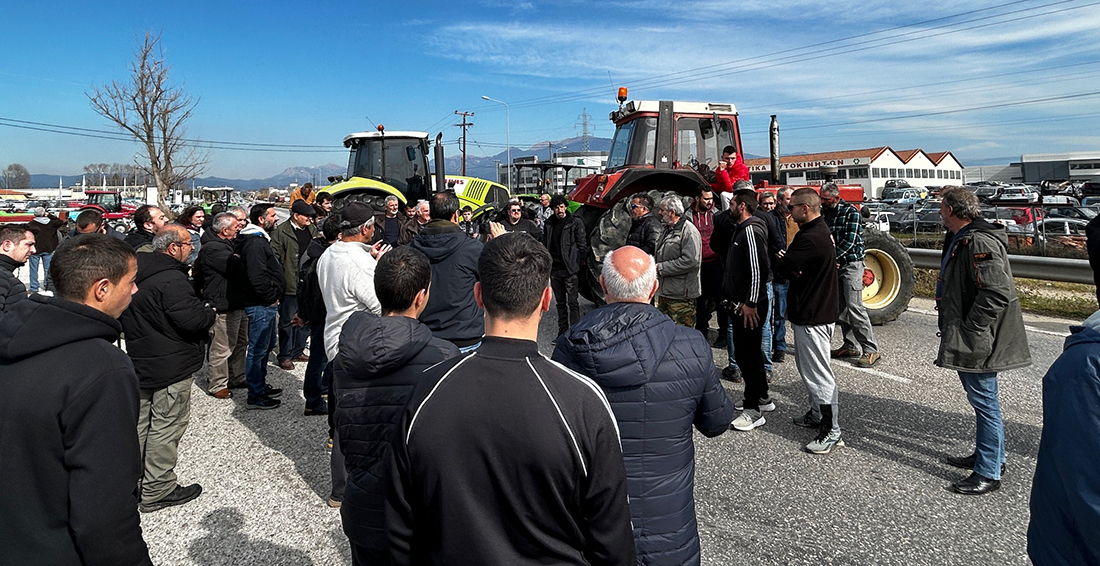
{"type": "Point", "coordinates": [731, 168]}
{"type": "Point", "coordinates": [846, 225]}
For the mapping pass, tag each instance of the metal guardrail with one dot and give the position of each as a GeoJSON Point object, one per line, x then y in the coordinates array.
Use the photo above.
{"type": "Point", "coordinates": [1032, 267]}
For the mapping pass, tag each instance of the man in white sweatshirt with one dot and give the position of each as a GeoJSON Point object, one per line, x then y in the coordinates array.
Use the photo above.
{"type": "Point", "coordinates": [345, 272]}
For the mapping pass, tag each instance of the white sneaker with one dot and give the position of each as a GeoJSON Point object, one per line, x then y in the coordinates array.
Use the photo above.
{"type": "Point", "coordinates": [766, 405]}
{"type": "Point", "coordinates": [748, 420]}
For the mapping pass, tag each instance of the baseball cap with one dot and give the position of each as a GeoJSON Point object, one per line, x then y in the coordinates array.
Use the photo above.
{"type": "Point", "coordinates": [356, 214]}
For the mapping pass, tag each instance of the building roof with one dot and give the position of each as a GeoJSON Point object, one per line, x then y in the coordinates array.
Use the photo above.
{"type": "Point", "coordinates": [871, 153]}
{"type": "Point", "coordinates": [906, 154]}
{"type": "Point", "coordinates": [6, 192]}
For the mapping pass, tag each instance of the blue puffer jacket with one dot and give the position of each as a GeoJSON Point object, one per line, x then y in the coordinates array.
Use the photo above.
{"type": "Point", "coordinates": [660, 379]}
{"type": "Point", "coordinates": [1065, 495]}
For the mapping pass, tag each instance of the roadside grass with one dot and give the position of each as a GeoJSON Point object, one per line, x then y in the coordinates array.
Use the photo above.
{"type": "Point", "coordinates": [1051, 298]}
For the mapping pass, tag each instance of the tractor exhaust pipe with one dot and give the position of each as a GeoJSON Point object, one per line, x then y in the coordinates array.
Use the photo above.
{"type": "Point", "coordinates": [773, 130]}
{"type": "Point", "coordinates": [440, 173]}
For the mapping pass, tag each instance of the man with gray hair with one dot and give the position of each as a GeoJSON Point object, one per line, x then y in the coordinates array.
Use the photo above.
{"type": "Point", "coordinates": [981, 329]}
{"type": "Point", "coordinates": [846, 225]}
{"type": "Point", "coordinates": [220, 280]}
{"type": "Point", "coordinates": [648, 365]}
{"type": "Point", "coordinates": [165, 326]}
{"type": "Point", "coordinates": [679, 254]}
{"type": "Point", "coordinates": [391, 227]}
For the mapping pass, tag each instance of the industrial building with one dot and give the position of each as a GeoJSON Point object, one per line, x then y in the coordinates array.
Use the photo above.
{"type": "Point", "coordinates": [870, 168]}
{"type": "Point", "coordinates": [1074, 166]}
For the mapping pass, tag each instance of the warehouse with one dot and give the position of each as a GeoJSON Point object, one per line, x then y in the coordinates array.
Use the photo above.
{"type": "Point", "coordinates": [1074, 166]}
{"type": "Point", "coordinates": [870, 168]}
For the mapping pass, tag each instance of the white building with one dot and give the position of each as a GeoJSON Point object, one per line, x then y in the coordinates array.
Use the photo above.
{"type": "Point", "coordinates": [534, 176]}
{"type": "Point", "coordinates": [870, 168]}
{"type": "Point", "coordinates": [1073, 166]}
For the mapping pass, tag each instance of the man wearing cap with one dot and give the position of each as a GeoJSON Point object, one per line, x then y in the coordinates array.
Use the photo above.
{"type": "Point", "coordinates": [289, 240]}
{"type": "Point", "coordinates": [346, 272]}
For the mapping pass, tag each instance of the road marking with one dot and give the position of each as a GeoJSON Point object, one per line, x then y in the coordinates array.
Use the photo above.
{"type": "Point", "coordinates": [890, 376]}
{"type": "Point", "coordinates": [1028, 328]}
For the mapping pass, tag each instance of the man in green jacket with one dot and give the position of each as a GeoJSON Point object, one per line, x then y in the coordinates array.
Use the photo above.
{"type": "Point", "coordinates": [289, 241]}
{"type": "Point", "coordinates": [981, 328]}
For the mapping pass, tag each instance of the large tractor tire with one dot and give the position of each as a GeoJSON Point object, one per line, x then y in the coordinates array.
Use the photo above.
{"type": "Point", "coordinates": [607, 231]}
{"type": "Point", "coordinates": [376, 199]}
{"type": "Point", "coordinates": [887, 277]}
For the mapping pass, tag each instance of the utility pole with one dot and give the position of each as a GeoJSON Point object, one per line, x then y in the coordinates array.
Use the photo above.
{"type": "Point", "coordinates": [464, 125]}
{"type": "Point", "coordinates": [585, 135]}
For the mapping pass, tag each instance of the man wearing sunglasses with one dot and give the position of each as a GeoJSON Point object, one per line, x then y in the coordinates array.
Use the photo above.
{"type": "Point", "coordinates": [515, 222]}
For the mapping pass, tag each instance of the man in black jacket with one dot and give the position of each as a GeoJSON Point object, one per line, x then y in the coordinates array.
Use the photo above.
{"type": "Point", "coordinates": [451, 314]}
{"type": "Point", "coordinates": [220, 279]}
{"type": "Point", "coordinates": [380, 361]}
{"type": "Point", "coordinates": [812, 308]}
{"type": "Point", "coordinates": [746, 281]}
{"type": "Point", "coordinates": [502, 456]}
{"type": "Point", "coordinates": [69, 458]}
{"type": "Point", "coordinates": [645, 226]}
{"type": "Point", "coordinates": [44, 226]}
{"type": "Point", "coordinates": [265, 285]}
{"type": "Point", "coordinates": [16, 245]}
{"type": "Point", "coordinates": [148, 220]}
{"type": "Point", "coordinates": [563, 235]}
{"type": "Point", "coordinates": [515, 222]}
{"type": "Point", "coordinates": [166, 326]}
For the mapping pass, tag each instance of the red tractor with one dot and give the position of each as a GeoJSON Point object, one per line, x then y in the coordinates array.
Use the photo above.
{"type": "Point", "coordinates": [118, 215]}
{"type": "Point", "coordinates": [666, 147]}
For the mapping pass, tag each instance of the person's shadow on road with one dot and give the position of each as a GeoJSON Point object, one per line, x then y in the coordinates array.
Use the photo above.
{"type": "Point", "coordinates": [225, 544]}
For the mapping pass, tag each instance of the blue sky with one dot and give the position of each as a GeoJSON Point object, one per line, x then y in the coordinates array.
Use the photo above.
{"type": "Point", "coordinates": [992, 78]}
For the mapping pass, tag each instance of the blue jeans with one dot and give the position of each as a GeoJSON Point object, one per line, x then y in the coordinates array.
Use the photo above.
{"type": "Point", "coordinates": [261, 341]}
{"type": "Point", "coordinates": [989, 449]}
{"type": "Point", "coordinates": [318, 369]}
{"type": "Point", "coordinates": [292, 339]}
{"type": "Point", "coordinates": [765, 340]}
{"type": "Point", "coordinates": [34, 260]}
{"type": "Point", "coordinates": [779, 316]}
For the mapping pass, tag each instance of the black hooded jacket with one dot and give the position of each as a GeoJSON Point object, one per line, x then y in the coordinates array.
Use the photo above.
{"type": "Point", "coordinates": [644, 233]}
{"type": "Point", "coordinates": [137, 238]}
{"type": "Point", "coordinates": [451, 314]}
{"type": "Point", "coordinates": [219, 275]}
{"type": "Point", "coordinates": [264, 274]}
{"type": "Point", "coordinates": [166, 323]}
{"type": "Point", "coordinates": [12, 290]}
{"type": "Point", "coordinates": [380, 361]}
{"type": "Point", "coordinates": [69, 454]}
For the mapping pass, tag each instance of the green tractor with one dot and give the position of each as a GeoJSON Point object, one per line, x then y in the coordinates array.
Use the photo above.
{"type": "Point", "coordinates": [384, 164]}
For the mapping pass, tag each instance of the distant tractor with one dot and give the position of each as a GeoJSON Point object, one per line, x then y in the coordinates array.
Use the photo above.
{"type": "Point", "coordinates": [385, 164]}
{"type": "Point", "coordinates": [117, 214]}
{"type": "Point", "coordinates": [216, 195]}
{"type": "Point", "coordinates": [664, 148]}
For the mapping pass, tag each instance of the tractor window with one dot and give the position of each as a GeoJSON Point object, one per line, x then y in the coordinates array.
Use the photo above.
{"type": "Point", "coordinates": [697, 140]}
{"type": "Point", "coordinates": [635, 143]}
{"type": "Point", "coordinates": [403, 162]}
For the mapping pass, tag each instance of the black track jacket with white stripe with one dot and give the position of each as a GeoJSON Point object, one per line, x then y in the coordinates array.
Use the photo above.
{"type": "Point", "coordinates": [505, 457]}
{"type": "Point", "coordinates": [747, 265]}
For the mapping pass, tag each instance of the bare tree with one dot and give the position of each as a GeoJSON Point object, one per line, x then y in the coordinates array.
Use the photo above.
{"type": "Point", "coordinates": [155, 112]}
{"type": "Point", "coordinates": [15, 176]}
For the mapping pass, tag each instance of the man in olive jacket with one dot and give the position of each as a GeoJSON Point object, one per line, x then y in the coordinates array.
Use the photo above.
{"type": "Point", "coordinates": [679, 257]}
{"type": "Point", "coordinates": [289, 241]}
{"type": "Point", "coordinates": [981, 328]}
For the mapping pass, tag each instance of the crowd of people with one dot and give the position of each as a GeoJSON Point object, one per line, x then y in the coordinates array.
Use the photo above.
{"type": "Point", "coordinates": [453, 440]}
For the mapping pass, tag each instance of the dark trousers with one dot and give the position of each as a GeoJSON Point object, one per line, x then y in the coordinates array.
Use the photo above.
{"type": "Point", "coordinates": [710, 276]}
{"type": "Point", "coordinates": [292, 339]}
{"type": "Point", "coordinates": [564, 286]}
{"type": "Point", "coordinates": [363, 556]}
{"type": "Point", "coordinates": [318, 370]}
{"type": "Point", "coordinates": [750, 358]}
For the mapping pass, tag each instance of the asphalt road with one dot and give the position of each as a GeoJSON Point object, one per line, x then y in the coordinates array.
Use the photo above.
{"type": "Point", "coordinates": [881, 499]}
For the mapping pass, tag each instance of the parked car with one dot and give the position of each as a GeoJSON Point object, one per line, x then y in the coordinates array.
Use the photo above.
{"type": "Point", "coordinates": [924, 220]}
{"type": "Point", "coordinates": [1090, 201]}
{"type": "Point", "coordinates": [901, 196]}
{"type": "Point", "coordinates": [1079, 212]}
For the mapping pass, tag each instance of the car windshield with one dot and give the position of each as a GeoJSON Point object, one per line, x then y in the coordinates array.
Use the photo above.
{"type": "Point", "coordinates": [403, 161]}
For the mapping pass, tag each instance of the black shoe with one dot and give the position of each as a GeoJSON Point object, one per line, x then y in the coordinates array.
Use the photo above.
{"type": "Point", "coordinates": [720, 341]}
{"type": "Point", "coordinates": [779, 356]}
{"type": "Point", "coordinates": [976, 484]}
{"type": "Point", "coordinates": [320, 410]}
{"type": "Point", "coordinates": [732, 374]}
{"type": "Point", "coordinates": [273, 392]}
{"type": "Point", "coordinates": [808, 420]}
{"type": "Point", "coordinates": [238, 385]}
{"type": "Point", "coordinates": [967, 462]}
{"type": "Point", "coordinates": [178, 496]}
{"type": "Point", "coordinates": [263, 403]}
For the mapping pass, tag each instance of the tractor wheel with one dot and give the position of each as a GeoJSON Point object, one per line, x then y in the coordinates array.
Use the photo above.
{"type": "Point", "coordinates": [887, 277]}
{"type": "Point", "coordinates": [120, 226]}
{"type": "Point", "coordinates": [607, 231]}
{"type": "Point", "coordinates": [376, 200]}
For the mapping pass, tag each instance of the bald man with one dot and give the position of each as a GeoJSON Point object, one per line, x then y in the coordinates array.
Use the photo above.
{"type": "Point", "coordinates": [165, 326]}
{"type": "Point", "coordinates": [615, 345]}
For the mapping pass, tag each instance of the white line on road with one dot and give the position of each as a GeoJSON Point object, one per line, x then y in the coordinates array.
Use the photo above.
{"type": "Point", "coordinates": [890, 376]}
{"type": "Point", "coordinates": [1028, 328]}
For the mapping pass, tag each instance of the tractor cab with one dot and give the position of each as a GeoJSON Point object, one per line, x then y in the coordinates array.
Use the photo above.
{"type": "Point", "coordinates": [105, 201]}
{"type": "Point", "coordinates": [395, 160]}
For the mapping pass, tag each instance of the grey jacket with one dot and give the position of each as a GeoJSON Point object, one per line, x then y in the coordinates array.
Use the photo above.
{"type": "Point", "coordinates": [981, 326]}
{"type": "Point", "coordinates": [679, 254]}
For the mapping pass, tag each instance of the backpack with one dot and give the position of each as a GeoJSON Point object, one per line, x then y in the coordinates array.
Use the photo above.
{"type": "Point", "coordinates": [311, 305]}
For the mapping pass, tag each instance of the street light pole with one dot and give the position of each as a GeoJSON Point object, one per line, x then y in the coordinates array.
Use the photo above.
{"type": "Point", "coordinates": [508, 135]}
